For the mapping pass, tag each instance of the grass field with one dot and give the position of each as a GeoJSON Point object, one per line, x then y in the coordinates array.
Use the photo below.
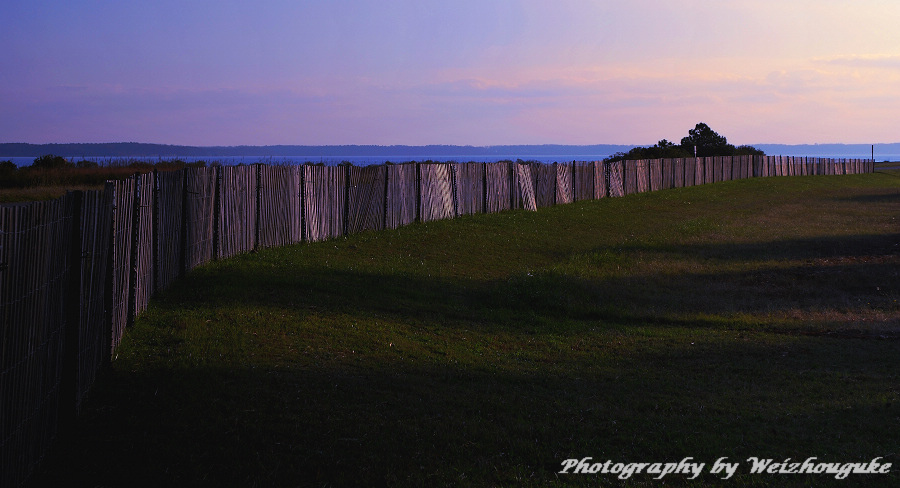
{"type": "Point", "coordinates": [754, 318]}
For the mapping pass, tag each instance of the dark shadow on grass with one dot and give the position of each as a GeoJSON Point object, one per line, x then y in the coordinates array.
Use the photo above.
{"type": "Point", "coordinates": [874, 198]}
{"type": "Point", "coordinates": [393, 424]}
{"type": "Point", "coordinates": [790, 249]}
{"type": "Point", "coordinates": [433, 422]}
{"type": "Point", "coordinates": [842, 281]}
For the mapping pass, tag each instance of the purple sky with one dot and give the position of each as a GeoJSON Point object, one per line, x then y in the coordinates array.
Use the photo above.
{"type": "Point", "coordinates": [478, 72]}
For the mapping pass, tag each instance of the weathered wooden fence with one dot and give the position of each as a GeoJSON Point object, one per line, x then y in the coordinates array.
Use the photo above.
{"type": "Point", "coordinates": [74, 272]}
{"type": "Point", "coordinates": [436, 192]}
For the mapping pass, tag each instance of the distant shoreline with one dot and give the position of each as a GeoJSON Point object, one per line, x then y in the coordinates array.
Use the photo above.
{"type": "Point", "coordinates": [22, 162]}
{"type": "Point", "coordinates": [889, 151]}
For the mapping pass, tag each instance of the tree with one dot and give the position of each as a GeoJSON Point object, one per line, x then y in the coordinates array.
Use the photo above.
{"type": "Point", "coordinates": [86, 163]}
{"type": "Point", "coordinates": [662, 150]}
{"type": "Point", "coordinates": [748, 151]}
{"type": "Point", "coordinates": [707, 141]}
{"type": "Point", "coordinates": [664, 144]}
{"type": "Point", "coordinates": [49, 161]}
{"type": "Point", "coordinates": [7, 168]}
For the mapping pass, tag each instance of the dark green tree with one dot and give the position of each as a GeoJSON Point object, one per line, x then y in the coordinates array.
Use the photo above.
{"type": "Point", "coordinates": [664, 144]}
{"type": "Point", "coordinates": [748, 151]}
{"type": "Point", "coordinates": [86, 163]}
{"type": "Point", "coordinates": [707, 141]}
{"type": "Point", "coordinates": [49, 161]}
{"type": "Point", "coordinates": [662, 150]}
{"type": "Point", "coordinates": [7, 168]}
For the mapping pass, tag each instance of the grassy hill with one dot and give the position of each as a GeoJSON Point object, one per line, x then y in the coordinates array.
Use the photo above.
{"type": "Point", "coordinates": [754, 318]}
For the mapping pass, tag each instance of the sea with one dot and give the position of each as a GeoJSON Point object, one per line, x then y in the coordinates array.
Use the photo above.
{"type": "Point", "coordinates": [332, 161]}
{"type": "Point", "coordinates": [369, 160]}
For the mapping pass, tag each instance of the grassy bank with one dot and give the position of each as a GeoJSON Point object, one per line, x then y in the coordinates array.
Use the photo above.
{"type": "Point", "coordinates": [749, 318]}
{"type": "Point", "coordinates": [32, 183]}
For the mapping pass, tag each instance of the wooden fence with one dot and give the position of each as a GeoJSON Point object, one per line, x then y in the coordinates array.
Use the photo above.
{"type": "Point", "coordinates": [74, 272]}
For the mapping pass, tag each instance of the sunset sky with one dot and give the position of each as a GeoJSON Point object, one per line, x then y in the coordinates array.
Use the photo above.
{"type": "Point", "coordinates": [469, 72]}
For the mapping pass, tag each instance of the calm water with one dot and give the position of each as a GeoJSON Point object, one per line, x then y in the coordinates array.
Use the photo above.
{"type": "Point", "coordinates": [357, 160]}
{"type": "Point", "coordinates": [367, 160]}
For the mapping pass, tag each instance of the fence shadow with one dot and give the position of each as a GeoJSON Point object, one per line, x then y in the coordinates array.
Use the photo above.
{"type": "Point", "coordinates": [415, 424]}
{"type": "Point", "coordinates": [863, 268]}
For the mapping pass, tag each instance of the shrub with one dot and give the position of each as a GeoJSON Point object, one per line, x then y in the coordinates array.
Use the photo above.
{"type": "Point", "coordinates": [84, 163]}
{"type": "Point", "coordinates": [49, 161]}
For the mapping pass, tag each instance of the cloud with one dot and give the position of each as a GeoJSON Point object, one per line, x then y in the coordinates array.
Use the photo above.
{"type": "Point", "coordinates": [577, 104]}
{"type": "Point", "coordinates": [891, 62]}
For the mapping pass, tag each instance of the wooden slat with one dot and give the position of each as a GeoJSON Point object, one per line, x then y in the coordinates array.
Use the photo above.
{"type": "Point", "coordinates": [199, 212]}
{"type": "Point", "coordinates": [667, 177]}
{"type": "Point", "coordinates": [366, 206]}
{"type": "Point", "coordinates": [123, 220]}
{"type": "Point", "coordinates": [709, 170]}
{"type": "Point", "coordinates": [564, 184]}
{"type": "Point", "coordinates": [497, 187]}
{"type": "Point", "coordinates": [436, 192]}
{"type": "Point", "coordinates": [170, 198]}
{"type": "Point", "coordinates": [401, 195]}
{"type": "Point", "coordinates": [656, 174]}
{"type": "Point", "coordinates": [143, 287]}
{"type": "Point", "coordinates": [324, 190]}
{"type": "Point", "coordinates": [524, 187]}
{"type": "Point", "coordinates": [35, 241]}
{"type": "Point", "coordinates": [93, 351]}
{"type": "Point", "coordinates": [469, 188]}
{"type": "Point", "coordinates": [746, 167]}
{"type": "Point", "coordinates": [629, 177]}
{"type": "Point", "coordinates": [642, 175]}
{"type": "Point", "coordinates": [544, 184]}
{"type": "Point", "coordinates": [601, 187]}
{"type": "Point", "coordinates": [279, 205]}
{"type": "Point", "coordinates": [237, 210]}
{"type": "Point", "coordinates": [616, 178]}
{"type": "Point", "coordinates": [678, 170]}
{"type": "Point", "coordinates": [583, 184]}
{"type": "Point", "coordinates": [690, 171]}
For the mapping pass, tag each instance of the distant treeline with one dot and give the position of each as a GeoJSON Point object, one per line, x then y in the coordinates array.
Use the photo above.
{"type": "Point", "coordinates": [167, 151]}
{"type": "Point", "coordinates": [136, 149]}
{"type": "Point", "coordinates": [52, 170]}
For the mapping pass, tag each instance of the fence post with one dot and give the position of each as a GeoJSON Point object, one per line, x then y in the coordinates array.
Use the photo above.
{"type": "Point", "coordinates": [217, 212]}
{"type": "Point", "coordinates": [454, 181]}
{"type": "Point", "coordinates": [576, 181]}
{"type": "Point", "coordinates": [674, 170]}
{"type": "Point", "coordinates": [624, 177]}
{"type": "Point", "coordinates": [606, 166]}
{"type": "Point", "coordinates": [154, 251]}
{"type": "Point", "coordinates": [258, 202]}
{"type": "Point", "coordinates": [135, 235]}
{"type": "Point", "coordinates": [418, 193]}
{"type": "Point", "coordinates": [555, 183]}
{"type": "Point", "coordinates": [387, 186]}
{"type": "Point", "coordinates": [347, 200]}
{"type": "Point", "coordinates": [68, 390]}
{"type": "Point", "coordinates": [510, 180]}
{"type": "Point", "coordinates": [184, 223]}
{"type": "Point", "coordinates": [649, 175]}
{"type": "Point", "coordinates": [304, 233]}
{"type": "Point", "coordinates": [484, 200]}
{"type": "Point", "coordinates": [108, 301]}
